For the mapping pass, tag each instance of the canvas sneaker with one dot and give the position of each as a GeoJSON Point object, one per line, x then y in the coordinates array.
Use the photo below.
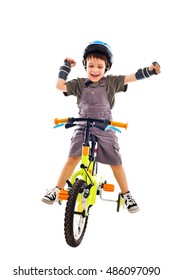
{"type": "Point", "coordinates": [129, 202]}
{"type": "Point", "coordinates": [51, 196]}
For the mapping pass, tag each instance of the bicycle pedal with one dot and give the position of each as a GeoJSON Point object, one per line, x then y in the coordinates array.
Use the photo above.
{"type": "Point", "coordinates": [63, 195]}
{"type": "Point", "coordinates": [108, 187]}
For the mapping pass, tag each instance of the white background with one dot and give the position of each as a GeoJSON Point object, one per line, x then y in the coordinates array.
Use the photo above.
{"type": "Point", "coordinates": [35, 37]}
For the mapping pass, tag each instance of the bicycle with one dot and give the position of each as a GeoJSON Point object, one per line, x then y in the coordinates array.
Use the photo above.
{"type": "Point", "coordinates": [84, 185]}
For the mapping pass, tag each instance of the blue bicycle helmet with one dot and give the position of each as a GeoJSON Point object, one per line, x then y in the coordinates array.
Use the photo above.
{"type": "Point", "coordinates": [100, 47]}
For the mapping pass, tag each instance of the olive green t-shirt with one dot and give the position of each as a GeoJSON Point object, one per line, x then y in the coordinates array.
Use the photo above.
{"type": "Point", "coordinates": [113, 85]}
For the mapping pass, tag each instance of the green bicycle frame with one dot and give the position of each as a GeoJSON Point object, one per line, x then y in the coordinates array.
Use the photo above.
{"type": "Point", "coordinates": [86, 173]}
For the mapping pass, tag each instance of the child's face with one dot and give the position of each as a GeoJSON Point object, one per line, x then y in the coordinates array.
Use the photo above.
{"type": "Point", "coordinates": [95, 68]}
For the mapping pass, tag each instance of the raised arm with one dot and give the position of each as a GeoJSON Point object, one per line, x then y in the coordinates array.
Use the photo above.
{"type": "Point", "coordinates": [146, 72]}
{"type": "Point", "coordinates": [63, 74]}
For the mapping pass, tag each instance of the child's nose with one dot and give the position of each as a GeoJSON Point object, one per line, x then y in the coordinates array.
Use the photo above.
{"type": "Point", "coordinates": [95, 69]}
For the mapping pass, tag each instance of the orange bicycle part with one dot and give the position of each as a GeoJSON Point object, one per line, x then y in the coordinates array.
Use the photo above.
{"type": "Point", "coordinates": [119, 124]}
{"type": "Point", "coordinates": [85, 151]}
{"type": "Point", "coordinates": [108, 187]}
{"type": "Point", "coordinates": [63, 194]}
{"type": "Point", "coordinates": [58, 121]}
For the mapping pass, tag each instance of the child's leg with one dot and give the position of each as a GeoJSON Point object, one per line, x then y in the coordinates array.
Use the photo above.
{"type": "Point", "coordinates": [67, 171]}
{"type": "Point", "coordinates": [120, 176]}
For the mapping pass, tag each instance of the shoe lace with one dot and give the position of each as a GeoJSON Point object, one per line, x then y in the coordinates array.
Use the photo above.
{"type": "Point", "coordinates": [129, 200]}
{"type": "Point", "coordinates": [51, 194]}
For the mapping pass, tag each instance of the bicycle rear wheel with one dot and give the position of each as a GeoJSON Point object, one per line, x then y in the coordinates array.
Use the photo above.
{"type": "Point", "coordinates": [76, 218]}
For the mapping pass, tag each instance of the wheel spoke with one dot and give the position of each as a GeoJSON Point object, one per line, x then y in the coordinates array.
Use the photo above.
{"type": "Point", "coordinates": [79, 222]}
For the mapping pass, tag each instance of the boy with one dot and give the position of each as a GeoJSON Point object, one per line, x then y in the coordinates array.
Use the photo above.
{"type": "Point", "coordinates": [95, 98]}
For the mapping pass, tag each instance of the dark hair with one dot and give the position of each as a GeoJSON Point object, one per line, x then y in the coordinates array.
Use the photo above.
{"type": "Point", "coordinates": [96, 54]}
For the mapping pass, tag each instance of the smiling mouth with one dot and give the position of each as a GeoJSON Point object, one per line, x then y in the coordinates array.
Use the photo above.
{"type": "Point", "coordinates": [95, 76]}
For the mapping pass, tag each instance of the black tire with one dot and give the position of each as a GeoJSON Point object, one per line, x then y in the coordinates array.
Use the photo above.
{"type": "Point", "coordinates": [72, 237]}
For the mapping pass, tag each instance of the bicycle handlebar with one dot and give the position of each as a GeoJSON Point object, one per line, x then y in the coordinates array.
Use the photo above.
{"type": "Point", "coordinates": [106, 121]}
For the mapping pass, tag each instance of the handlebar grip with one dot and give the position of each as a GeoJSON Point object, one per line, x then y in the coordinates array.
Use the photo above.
{"type": "Point", "coordinates": [58, 121]}
{"type": "Point", "coordinates": [119, 124]}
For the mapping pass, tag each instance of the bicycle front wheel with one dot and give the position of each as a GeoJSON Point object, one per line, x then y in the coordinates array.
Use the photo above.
{"type": "Point", "coordinates": [76, 218]}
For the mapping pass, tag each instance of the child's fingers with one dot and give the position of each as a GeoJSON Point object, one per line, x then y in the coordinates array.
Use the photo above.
{"type": "Point", "coordinates": [155, 67]}
{"type": "Point", "coordinates": [71, 60]}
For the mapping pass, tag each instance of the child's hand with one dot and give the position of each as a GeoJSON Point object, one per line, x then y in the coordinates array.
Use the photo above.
{"type": "Point", "coordinates": [156, 67]}
{"type": "Point", "coordinates": [72, 61]}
